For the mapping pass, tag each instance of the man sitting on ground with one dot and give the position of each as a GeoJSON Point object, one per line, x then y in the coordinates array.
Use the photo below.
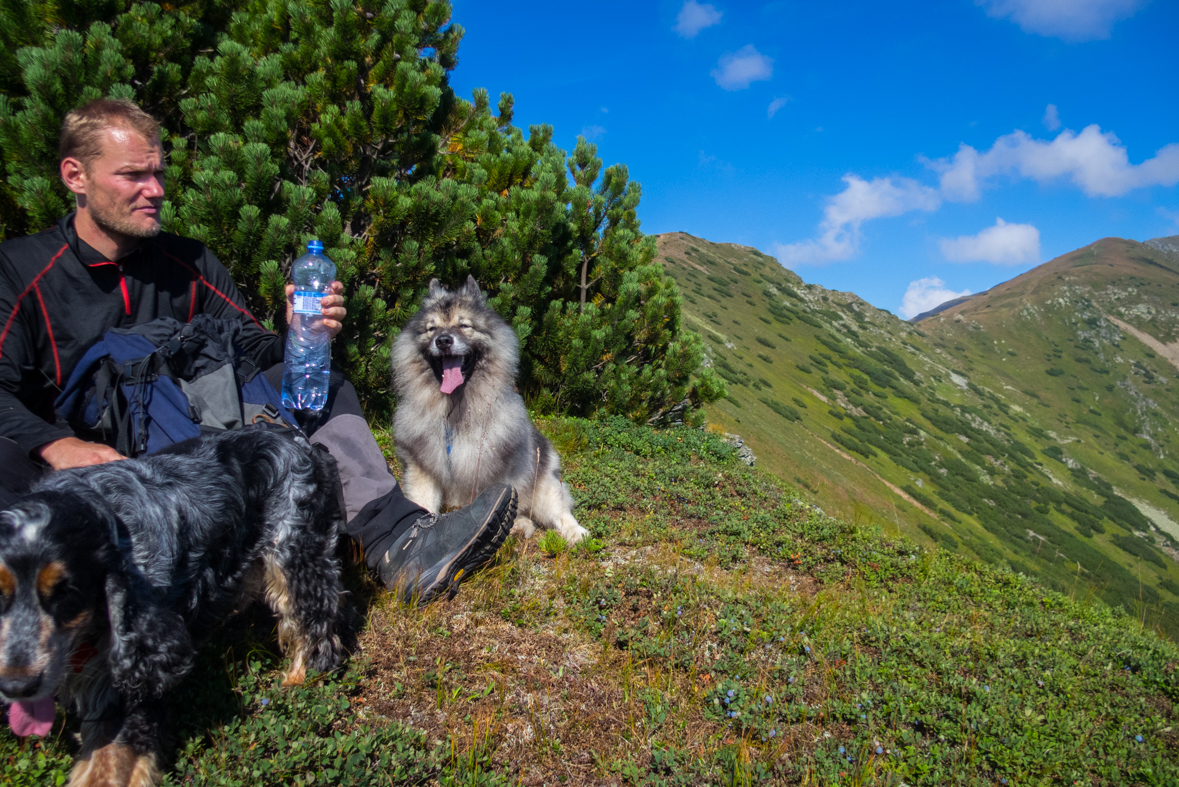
{"type": "Point", "coordinates": [108, 265]}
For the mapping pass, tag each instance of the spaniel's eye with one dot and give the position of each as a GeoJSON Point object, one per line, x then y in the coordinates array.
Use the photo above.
{"type": "Point", "coordinates": [466, 326]}
{"type": "Point", "coordinates": [63, 592]}
{"type": "Point", "coordinates": [431, 329]}
{"type": "Point", "coordinates": [7, 587]}
{"type": "Point", "coordinates": [67, 602]}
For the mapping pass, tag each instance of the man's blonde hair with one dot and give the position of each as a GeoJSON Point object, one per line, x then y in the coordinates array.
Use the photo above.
{"type": "Point", "coordinates": [81, 131]}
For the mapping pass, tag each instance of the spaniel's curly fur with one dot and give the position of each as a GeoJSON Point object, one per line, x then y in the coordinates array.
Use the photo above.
{"type": "Point", "coordinates": [141, 559]}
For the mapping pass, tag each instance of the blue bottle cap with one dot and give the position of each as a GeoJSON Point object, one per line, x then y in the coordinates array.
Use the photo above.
{"type": "Point", "coordinates": [315, 246]}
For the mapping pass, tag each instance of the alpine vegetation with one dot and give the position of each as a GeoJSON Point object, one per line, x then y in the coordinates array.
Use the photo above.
{"type": "Point", "coordinates": [291, 121]}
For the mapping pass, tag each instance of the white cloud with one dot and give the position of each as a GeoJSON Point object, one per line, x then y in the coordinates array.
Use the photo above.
{"type": "Point", "coordinates": [775, 105]}
{"type": "Point", "coordinates": [924, 294]}
{"type": "Point", "coordinates": [1069, 20]}
{"type": "Point", "coordinates": [1051, 118]}
{"type": "Point", "coordinates": [710, 161]}
{"type": "Point", "coordinates": [839, 231]}
{"type": "Point", "coordinates": [1094, 160]}
{"type": "Point", "coordinates": [736, 70]}
{"type": "Point", "coordinates": [1002, 244]}
{"type": "Point", "coordinates": [694, 17]}
{"type": "Point", "coordinates": [593, 132]}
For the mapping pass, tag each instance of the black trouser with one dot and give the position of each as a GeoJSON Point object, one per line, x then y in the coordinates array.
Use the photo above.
{"type": "Point", "coordinates": [376, 510]}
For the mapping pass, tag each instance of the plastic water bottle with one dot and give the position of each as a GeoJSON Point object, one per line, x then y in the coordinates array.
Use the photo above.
{"type": "Point", "coordinates": [308, 359]}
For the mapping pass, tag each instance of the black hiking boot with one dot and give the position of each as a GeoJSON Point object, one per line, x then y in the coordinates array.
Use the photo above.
{"type": "Point", "coordinates": [439, 551]}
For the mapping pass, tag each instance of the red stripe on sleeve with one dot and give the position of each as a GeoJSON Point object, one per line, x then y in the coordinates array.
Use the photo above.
{"type": "Point", "coordinates": [205, 282]}
{"type": "Point", "coordinates": [16, 308]}
{"type": "Point", "coordinates": [192, 301]}
{"type": "Point", "coordinates": [231, 303]}
{"type": "Point", "coordinates": [126, 295]}
{"type": "Point", "coordinates": [49, 330]}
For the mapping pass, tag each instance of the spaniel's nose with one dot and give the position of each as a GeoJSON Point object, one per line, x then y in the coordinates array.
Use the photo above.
{"type": "Point", "coordinates": [20, 687]}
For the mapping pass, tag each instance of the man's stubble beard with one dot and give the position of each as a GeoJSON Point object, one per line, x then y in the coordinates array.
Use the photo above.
{"type": "Point", "coordinates": [111, 222]}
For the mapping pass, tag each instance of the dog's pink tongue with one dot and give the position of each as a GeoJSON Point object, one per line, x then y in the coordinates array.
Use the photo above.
{"type": "Point", "coordinates": [32, 718]}
{"type": "Point", "coordinates": [452, 374]}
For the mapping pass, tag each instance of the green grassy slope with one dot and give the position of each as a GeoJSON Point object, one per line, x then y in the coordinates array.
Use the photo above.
{"type": "Point", "coordinates": [1025, 426]}
{"type": "Point", "coordinates": [717, 630]}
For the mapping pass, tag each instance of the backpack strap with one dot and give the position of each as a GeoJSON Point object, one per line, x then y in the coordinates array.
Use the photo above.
{"type": "Point", "coordinates": [247, 369]}
{"type": "Point", "coordinates": [134, 377]}
{"type": "Point", "coordinates": [140, 378]}
{"type": "Point", "coordinates": [106, 389]}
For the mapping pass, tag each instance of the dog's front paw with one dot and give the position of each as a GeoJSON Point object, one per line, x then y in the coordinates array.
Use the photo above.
{"type": "Point", "coordinates": [523, 527]}
{"type": "Point", "coordinates": [115, 764]}
{"type": "Point", "coordinates": [571, 531]}
{"type": "Point", "coordinates": [297, 673]}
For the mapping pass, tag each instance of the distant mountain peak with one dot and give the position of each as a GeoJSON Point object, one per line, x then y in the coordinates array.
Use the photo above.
{"type": "Point", "coordinates": [1168, 245]}
{"type": "Point", "coordinates": [941, 307]}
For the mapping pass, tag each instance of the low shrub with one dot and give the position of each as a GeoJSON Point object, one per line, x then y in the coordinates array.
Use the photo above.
{"type": "Point", "coordinates": [939, 535]}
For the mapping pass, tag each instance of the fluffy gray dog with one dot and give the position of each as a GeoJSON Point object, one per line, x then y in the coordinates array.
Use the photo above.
{"type": "Point", "coordinates": [460, 424]}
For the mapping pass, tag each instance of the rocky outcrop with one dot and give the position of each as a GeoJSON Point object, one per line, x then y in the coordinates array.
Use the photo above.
{"type": "Point", "coordinates": [744, 452]}
{"type": "Point", "coordinates": [1169, 245]}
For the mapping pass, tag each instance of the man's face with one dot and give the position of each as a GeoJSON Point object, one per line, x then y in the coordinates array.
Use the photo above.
{"type": "Point", "coordinates": [125, 184]}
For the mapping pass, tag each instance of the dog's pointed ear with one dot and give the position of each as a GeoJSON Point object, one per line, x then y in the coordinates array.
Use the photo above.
{"type": "Point", "coordinates": [150, 649]}
{"type": "Point", "coordinates": [471, 289]}
{"type": "Point", "coordinates": [436, 289]}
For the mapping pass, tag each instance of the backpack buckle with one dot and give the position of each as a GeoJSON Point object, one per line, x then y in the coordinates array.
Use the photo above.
{"type": "Point", "coordinates": [269, 415]}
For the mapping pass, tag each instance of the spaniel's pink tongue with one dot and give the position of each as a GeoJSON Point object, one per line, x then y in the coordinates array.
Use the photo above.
{"type": "Point", "coordinates": [32, 718]}
{"type": "Point", "coordinates": [452, 374]}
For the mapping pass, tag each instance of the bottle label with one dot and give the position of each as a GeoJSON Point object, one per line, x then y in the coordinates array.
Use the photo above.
{"type": "Point", "coordinates": [308, 302]}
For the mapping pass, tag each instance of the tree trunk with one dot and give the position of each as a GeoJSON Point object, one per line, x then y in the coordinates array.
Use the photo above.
{"type": "Point", "coordinates": [584, 284]}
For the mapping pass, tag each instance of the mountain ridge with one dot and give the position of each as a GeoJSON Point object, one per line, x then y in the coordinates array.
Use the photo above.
{"type": "Point", "coordinates": [941, 307]}
{"type": "Point", "coordinates": [1168, 244]}
{"type": "Point", "coordinates": [1029, 425]}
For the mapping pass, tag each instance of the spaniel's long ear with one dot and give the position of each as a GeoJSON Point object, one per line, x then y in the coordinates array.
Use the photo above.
{"type": "Point", "coordinates": [150, 650]}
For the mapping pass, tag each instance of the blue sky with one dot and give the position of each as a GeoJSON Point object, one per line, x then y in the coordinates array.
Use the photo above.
{"type": "Point", "coordinates": [907, 152]}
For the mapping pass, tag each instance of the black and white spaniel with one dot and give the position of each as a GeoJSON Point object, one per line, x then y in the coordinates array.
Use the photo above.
{"type": "Point", "coordinates": [110, 575]}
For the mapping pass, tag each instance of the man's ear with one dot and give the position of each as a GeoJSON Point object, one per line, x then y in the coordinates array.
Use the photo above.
{"type": "Point", "coordinates": [73, 175]}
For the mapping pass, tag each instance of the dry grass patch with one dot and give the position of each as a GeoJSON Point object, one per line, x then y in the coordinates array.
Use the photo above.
{"type": "Point", "coordinates": [504, 678]}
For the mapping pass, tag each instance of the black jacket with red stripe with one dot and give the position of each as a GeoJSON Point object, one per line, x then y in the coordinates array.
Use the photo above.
{"type": "Point", "coordinates": [58, 296]}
